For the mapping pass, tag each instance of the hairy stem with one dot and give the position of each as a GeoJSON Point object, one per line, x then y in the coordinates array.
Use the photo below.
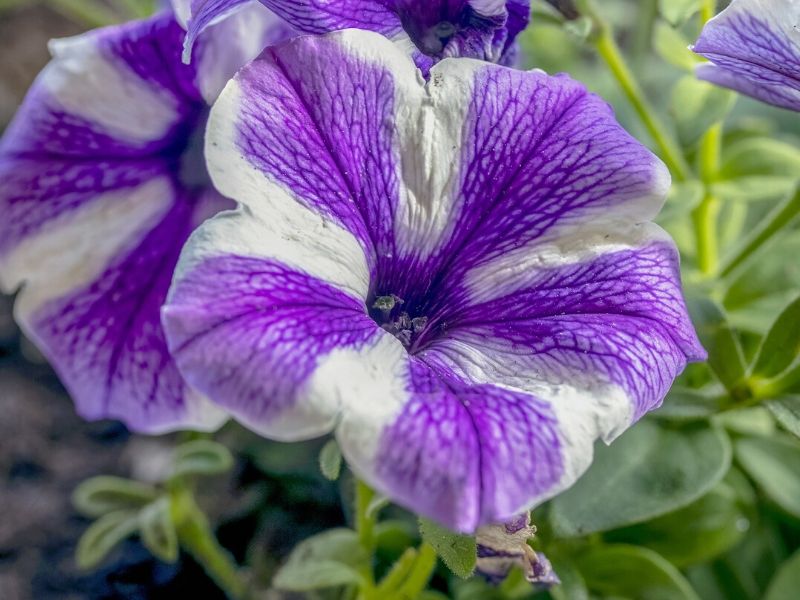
{"type": "Point", "coordinates": [198, 539]}
{"type": "Point", "coordinates": [420, 574]}
{"type": "Point", "coordinates": [365, 528]}
{"type": "Point", "coordinates": [610, 52]}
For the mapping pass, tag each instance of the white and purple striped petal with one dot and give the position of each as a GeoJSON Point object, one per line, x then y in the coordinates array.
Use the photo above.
{"type": "Point", "coordinates": [454, 274]}
{"type": "Point", "coordinates": [754, 48]}
{"type": "Point", "coordinates": [430, 29]}
{"type": "Point", "coordinates": [102, 185]}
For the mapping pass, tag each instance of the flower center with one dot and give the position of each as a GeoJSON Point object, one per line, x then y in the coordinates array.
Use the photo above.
{"type": "Point", "coordinates": [432, 28]}
{"type": "Point", "coordinates": [193, 173]}
{"type": "Point", "coordinates": [389, 313]}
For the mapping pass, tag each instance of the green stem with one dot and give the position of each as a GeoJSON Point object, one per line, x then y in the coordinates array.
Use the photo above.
{"type": "Point", "coordinates": [198, 539]}
{"type": "Point", "coordinates": [420, 574]}
{"type": "Point", "coordinates": [365, 528]}
{"type": "Point", "coordinates": [707, 10]}
{"type": "Point", "coordinates": [398, 573]}
{"type": "Point", "coordinates": [772, 388]}
{"type": "Point", "coordinates": [365, 523]}
{"type": "Point", "coordinates": [610, 52]}
{"type": "Point", "coordinates": [785, 216]}
{"type": "Point", "coordinates": [706, 215]}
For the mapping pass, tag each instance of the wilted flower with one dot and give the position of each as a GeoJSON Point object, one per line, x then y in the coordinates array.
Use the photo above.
{"type": "Point", "coordinates": [431, 29]}
{"type": "Point", "coordinates": [754, 48]}
{"type": "Point", "coordinates": [103, 179]}
{"type": "Point", "coordinates": [457, 275]}
{"type": "Point", "coordinates": [505, 546]}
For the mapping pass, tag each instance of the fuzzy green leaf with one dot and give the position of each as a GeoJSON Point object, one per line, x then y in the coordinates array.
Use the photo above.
{"type": "Point", "coordinates": [202, 458]}
{"type": "Point", "coordinates": [330, 460]}
{"type": "Point", "coordinates": [104, 535]}
{"type": "Point", "coordinates": [330, 559]}
{"type": "Point", "coordinates": [621, 571]}
{"type": "Point", "coordinates": [98, 496]}
{"type": "Point", "coordinates": [694, 534]}
{"type": "Point", "coordinates": [725, 355]}
{"type": "Point", "coordinates": [648, 472]}
{"type": "Point", "coordinates": [157, 530]}
{"type": "Point", "coordinates": [786, 583]}
{"type": "Point", "coordinates": [678, 12]}
{"type": "Point", "coordinates": [774, 464]}
{"type": "Point", "coordinates": [458, 552]}
{"type": "Point", "coordinates": [781, 346]}
{"type": "Point", "coordinates": [787, 412]}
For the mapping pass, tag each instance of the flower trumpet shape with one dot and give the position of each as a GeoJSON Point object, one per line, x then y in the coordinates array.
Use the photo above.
{"type": "Point", "coordinates": [754, 48]}
{"type": "Point", "coordinates": [456, 275]}
{"type": "Point", "coordinates": [103, 179]}
{"type": "Point", "coordinates": [430, 29]}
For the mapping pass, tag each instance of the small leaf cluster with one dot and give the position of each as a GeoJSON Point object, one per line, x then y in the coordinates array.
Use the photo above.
{"type": "Point", "coordinates": [123, 508]}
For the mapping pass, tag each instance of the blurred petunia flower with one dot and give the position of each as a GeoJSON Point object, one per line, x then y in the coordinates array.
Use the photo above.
{"type": "Point", "coordinates": [457, 275]}
{"type": "Point", "coordinates": [754, 48]}
{"type": "Point", "coordinates": [103, 179]}
{"type": "Point", "coordinates": [429, 29]}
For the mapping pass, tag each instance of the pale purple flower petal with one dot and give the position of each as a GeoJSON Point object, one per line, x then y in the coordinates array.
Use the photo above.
{"type": "Point", "coordinates": [431, 29]}
{"type": "Point", "coordinates": [754, 48]}
{"type": "Point", "coordinates": [449, 273]}
{"type": "Point", "coordinates": [102, 184]}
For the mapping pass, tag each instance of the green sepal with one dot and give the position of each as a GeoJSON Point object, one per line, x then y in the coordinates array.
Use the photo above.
{"type": "Point", "coordinates": [202, 458]}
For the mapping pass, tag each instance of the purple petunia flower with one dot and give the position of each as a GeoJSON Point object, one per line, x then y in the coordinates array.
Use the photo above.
{"type": "Point", "coordinates": [103, 179]}
{"type": "Point", "coordinates": [456, 275]}
{"type": "Point", "coordinates": [430, 29]}
{"type": "Point", "coordinates": [754, 46]}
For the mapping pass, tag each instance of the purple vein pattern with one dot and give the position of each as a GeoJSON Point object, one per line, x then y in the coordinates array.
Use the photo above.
{"type": "Point", "coordinates": [430, 29]}
{"type": "Point", "coordinates": [458, 276]}
{"type": "Point", "coordinates": [103, 181]}
{"type": "Point", "coordinates": [754, 48]}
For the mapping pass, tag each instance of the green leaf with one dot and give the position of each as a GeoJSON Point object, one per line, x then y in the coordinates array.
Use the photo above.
{"type": "Point", "coordinates": [774, 464]}
{"type": "Point", "coordinates": [648, 472]}
{"type": "Point", "coordinates": [203, 458]}
{"type": "Point", "coordinates": [581, 27]}
{"type": "Point", "coordinates": [760, 156]}
{"type": "Point", "coordinates": [330, 460]}
{"type": "Point", "coordinates": [754, 188]}
{"type": "Point", "coordinates": [157, 530]}
{"type": "Point", "coordinates": [754, 420]}
{"type": "Point", "coordinates": [104, 535]}
{"type": "Point", "coordinates": [330, 559]}
{"type": "Point", "coordinates": [677, 12]}
{"type": "Point", "coordinates": [696, 106]}
{"type": "Point", "coordinates": [572, 586]}
{"type": "Point", "coordinates": [458, 552]}
{"type": "Point", "coordinates": [684, 197]}
{"type": "Point", "coordinates": [787, 411]}
{"type": "Point", "coordinates": [673, 48]}
{"type": "Point", "coordinates": [706, 528]}
{"type": "Point", "coordinates": [786, 583]}
{"type": "Point", "coordinates": [725, 355]}
{"type": "Point", "coordinates": [98, 496]}
{"type": "Point", "coordinates": [686, 404]}
{"type": "Point", "coordinates": [781, 346]}
{"type": "Point", "coordinates": [621, 571]}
